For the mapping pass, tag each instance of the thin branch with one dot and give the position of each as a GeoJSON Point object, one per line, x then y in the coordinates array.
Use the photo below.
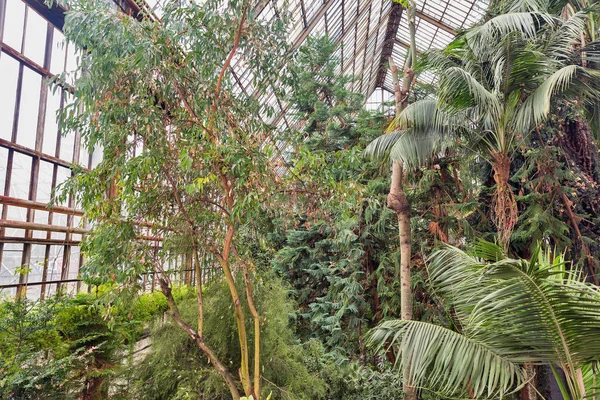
{"type": "Point", "coordinates": [236, 44]}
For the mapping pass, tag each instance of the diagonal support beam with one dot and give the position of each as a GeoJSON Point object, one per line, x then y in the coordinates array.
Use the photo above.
{"type": "Point", "coordinates": [313, 22]}
{"type": "Point", "coordinates": [388, 43]}
{"type": "Point", "coordinates": [437, 23]}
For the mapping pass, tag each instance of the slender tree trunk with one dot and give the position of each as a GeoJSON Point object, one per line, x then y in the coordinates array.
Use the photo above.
{"type": "Point", "coordinates": [256, 317]}
{"type": "Point", "coordinates": [398, 202]}
{"type": "Point", "coordinates": [198, 271]}
{"type": "Point", "coordinates": [239, 313]}
{"type": "Point", "coordinates": [214, 360]}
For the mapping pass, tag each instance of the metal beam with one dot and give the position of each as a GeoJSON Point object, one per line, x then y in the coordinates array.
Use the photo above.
{"type": "Point", "coordinates": [55, 14]}
{"type": "Point", "coordinates": [313, 22]}
{"type": "Point", "coordinates": [388, 43]}
{"type": "Point", "coordinates": [17, 285]}
{"type": "Point", "coordinates": [35, 205]}
{"type": "Point", "coordinates": [4, 223]}
{"type": "Point", "coordinates": [55, 242]}
{"type": "Point", "coordinates": [436, 23]}
{"type": "Point", "coordinates": [7, 144]}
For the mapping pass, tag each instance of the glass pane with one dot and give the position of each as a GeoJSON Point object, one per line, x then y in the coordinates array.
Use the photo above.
{"type": "Point", "coordinates": [28, 111]}
{"type": "Point", "coordinates": [9, 73]}
{"type": "Point", "coordinates": [35, 37]}
{"type": "Point", "coordinates": [21, 175]}
{"type": "Point", "coordinates": [55, 260]}
{"type": "Point", "coordinates": [51, 123]}
{"type": "Point", "coordinates": [36, 263]}
{"type": "Point", "coordinates": [11, 261]}
{"type": "Point", "coordinates": [59, 51]}
{"type": "Point", "coordinates": [44, 182]}
{"type": "Point", "coordinates": [3, 161]}
{"type": "Point", "coordinates": [13, 23]}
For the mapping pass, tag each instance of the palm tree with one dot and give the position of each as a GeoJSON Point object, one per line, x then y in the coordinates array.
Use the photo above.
{"type": "Point", "coordinates": [498, 82]}
{"type": "Point", "coordinates": [506, 312]}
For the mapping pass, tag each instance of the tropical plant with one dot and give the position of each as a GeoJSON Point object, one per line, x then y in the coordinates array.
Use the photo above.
{"type": "Point", "coordinates": [505, 312]}
{"type": "Point", "coordinates": [498, 82]}
{"type": "Point", "coordinates": [174, 368]}
{"type": "Point", "coordinates": [66, 347]}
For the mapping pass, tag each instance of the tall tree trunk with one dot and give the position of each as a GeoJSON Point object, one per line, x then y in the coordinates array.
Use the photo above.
{"type": "Point", "coordinates": [397, 200]}
{"type": "Point", "coordinates": [529, 392]}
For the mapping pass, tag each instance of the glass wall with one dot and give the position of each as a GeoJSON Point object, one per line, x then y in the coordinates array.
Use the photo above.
{"type": "Point", "coordinates": [37, 244]}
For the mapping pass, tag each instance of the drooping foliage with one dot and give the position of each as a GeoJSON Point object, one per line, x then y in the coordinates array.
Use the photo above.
{"type": "Point", "coordinates": [507, 312]}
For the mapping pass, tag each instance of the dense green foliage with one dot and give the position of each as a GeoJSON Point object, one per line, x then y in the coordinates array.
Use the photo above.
{"type": "Point", "coordinates": [337, 236]}
{"type": "Point", "coordinates": [503, 147]}
{"type": "Point", "coordinates": [175, 368]}
{"type": "Point", "coordinates": [65, 348]}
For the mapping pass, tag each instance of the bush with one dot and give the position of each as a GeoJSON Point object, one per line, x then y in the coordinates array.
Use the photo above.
{"type": "Point", "coordinates": [176, 369]}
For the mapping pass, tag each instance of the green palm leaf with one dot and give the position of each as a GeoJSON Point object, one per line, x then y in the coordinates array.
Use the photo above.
{"type": "Point", "coordinates": [528, 311]}
{"type": "Point", "coordinates": [525, 23]}
{"type": "Point", "coordinates": [460, 90]}
{"type": "Point", "coordinates": [416, 151]}
{"type": "Point", "coordinates": [537, 106]}
{"type": "Point", "coordinates": [448, 362]}
{"type": "Point", "coordinates": [379, 148]}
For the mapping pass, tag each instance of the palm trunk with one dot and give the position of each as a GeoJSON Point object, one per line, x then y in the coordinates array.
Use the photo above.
{"type": "Point", "coordinates": [398, 202]}
{"type": "Point", "coordinates": [504, 203]}
{"type": "Point", "coordinates": [529, 392]}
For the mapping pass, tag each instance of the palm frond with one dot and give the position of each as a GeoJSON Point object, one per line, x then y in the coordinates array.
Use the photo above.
{"type": "Point", "coordinates": [525, 23]}
{"type": "Point", "coordinates": [446, 361]}
{"type": "Point", "coordinates": [569, 79]}
{"type": "Point", "coordinates": [417, 151]}
{"type": "Point", "coordinates": [459, 90]}
{"type": "Point", "coordinates": [559, 45]}
{"type": "Point", "coordinates": [525, 6]}
{"type": "Point", "coordinates": [534, 311]}
{"type": "Point", "coordinates": [379, 148]}
{"type": "Point", "coordinates": [424, 116]}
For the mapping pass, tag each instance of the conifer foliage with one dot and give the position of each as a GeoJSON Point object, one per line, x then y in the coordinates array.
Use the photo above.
{"type": "Point", "coordinates": [336, 250]}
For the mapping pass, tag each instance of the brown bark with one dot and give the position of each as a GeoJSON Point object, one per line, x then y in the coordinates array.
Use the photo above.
{"type": "Point", "coordinates": [575, 223]}
{"type": "Point", "coordinates": [529, 392]}
{"type": "Point", "coordinates": [504, 203]}
{"type": "Point", "coordinates": [92, 390]}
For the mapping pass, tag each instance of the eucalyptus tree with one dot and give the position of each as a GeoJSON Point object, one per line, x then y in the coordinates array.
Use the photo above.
{"type": "Point", "coordinates": [505, 312]}
{"type": "Point", "coordinates": [186, 157]}
{"type": "Point", "coordinates": [498, 82]}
